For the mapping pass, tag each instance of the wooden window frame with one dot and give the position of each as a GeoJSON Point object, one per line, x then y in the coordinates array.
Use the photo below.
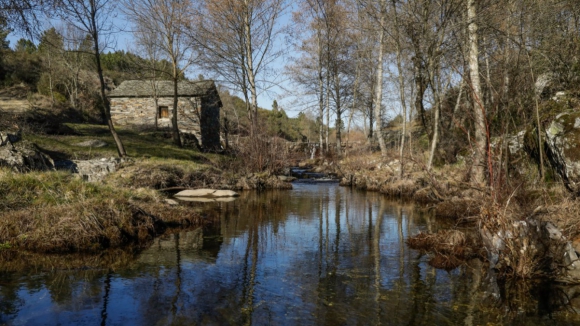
{"type": "Point", "coordinates": [163, 112]}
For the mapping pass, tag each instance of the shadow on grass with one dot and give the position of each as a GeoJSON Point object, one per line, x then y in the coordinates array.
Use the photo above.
{"type": "Point", "coordinates": [138, 144]}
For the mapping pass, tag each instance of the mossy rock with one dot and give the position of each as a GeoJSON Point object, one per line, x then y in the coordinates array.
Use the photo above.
{"type": "Point", "coordinates": [563, 142]}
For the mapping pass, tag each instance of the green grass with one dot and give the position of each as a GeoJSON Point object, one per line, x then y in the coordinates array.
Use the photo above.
{"type": "Point", "coordinates": [154, 145]}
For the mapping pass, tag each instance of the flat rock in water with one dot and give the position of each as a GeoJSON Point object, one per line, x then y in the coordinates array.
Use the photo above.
{"type": "Point", "coordinates": [210, 193]}
{"type": "Point", "coordinates": [92, 143]}
{"type": "Point", "coordinates": [207, 199]}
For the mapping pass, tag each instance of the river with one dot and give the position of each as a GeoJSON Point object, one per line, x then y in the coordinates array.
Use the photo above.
{"type": "Point", "coordinates": [316, 255]}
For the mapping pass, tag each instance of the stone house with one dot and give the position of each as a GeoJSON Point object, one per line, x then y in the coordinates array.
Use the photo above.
{"type": "Point", "coordinates": [198, 108]}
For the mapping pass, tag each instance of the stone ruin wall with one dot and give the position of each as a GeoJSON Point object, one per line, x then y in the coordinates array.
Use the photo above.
{"type": "Point", "coordinates": [141, 111]}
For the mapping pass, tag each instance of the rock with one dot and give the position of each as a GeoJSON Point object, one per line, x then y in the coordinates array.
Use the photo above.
{"type": "Point", "coordinates": [209, 193]}
{"type": "Point", "coordinates": [544, 85]}
{"type": "Point", "coordinates": [97, 143]}
{"type": "Point", "coordinates": [24, 156]}
{"type": "Point", "coordinates": [553, 232]}
{"type": "Point", "coordinates": [95, 170]}
{"type": "Point", "coordinates": [516, 142]}
{"type": "Point", "coordinates": [207, 199]}
{"type": "Point", "coordinates": [9, 137]}
{"type": "Point", "coordinates": [171, 202]}
{"type": "Point", "coordinates": [563, 140]}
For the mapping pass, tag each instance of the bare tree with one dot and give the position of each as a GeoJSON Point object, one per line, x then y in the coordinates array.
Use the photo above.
{"type": "Point", "coordinates": [237, 38]}
{"type": "Point", "coordinates": [94, 18]}
{"type": "Point", "coordinates": [23, 15]}
{"type": "Point", "coordinates": [378, 99]}
{"type": "Point", "coordinates": [51, 44]}
{"type": "Point", "coordinates": [401, 79]}
{"type": "Point", "coordinates": [168, 20]}
{"type": "Point", "coordinates": [74, 60]}
{"type": "Point", "coordinates": [147, 42]}
{"type": "Point", "coordinates": [478, 106]}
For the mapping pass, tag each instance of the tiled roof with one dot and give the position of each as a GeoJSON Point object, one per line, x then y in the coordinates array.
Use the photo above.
{"type": "Point", "coordinates": [143, 88]}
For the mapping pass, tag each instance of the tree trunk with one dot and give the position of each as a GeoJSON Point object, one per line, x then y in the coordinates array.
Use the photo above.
{"type": "Point", "coordinates": [106, 104]}
{"type": "Point", "coordinates": [250, 67]}
{"type": "Point", "coordinates": [435, 138]}
{"type": "Point", "coordinates": [457, 104]}
{"type": "Point", "coordinates": [327, 142]}
{"type": "Point", "coordinates": [420, 93]}
{"type": "Point", "coordinates": [320, 93]}
{"type": "Point", "coordinates": [478, 169]}
{"type": "Point", "coordinates": [338, 124]}
{"type": "Point", "coordinates": [401, 91]}
{"type": "Point", "coordinates": [174, 126]}
{"type": "Point", "coordinates": [156, 104]}
{"type": "Point", "coordinates": [378, 99]}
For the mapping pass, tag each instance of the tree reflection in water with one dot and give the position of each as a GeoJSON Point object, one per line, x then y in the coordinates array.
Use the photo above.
{"type": "Point", "coordinates": [316, 255]}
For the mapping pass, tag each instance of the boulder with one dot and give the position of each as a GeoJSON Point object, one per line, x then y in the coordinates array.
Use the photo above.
{"type": "Point", "coordinates": [208, 193]}
{"type": "Point", "coordinates": [544, 85]}
{"type": "Point", "coordinates": [95, 170]}
{"type": "Point", "coordinates": [563, 142]}
{"type": "Point", "coordinates": [24, 156]}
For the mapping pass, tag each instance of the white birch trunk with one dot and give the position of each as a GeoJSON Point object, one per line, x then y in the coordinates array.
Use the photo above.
{"type": "Point", "coordinates": [478, 176]}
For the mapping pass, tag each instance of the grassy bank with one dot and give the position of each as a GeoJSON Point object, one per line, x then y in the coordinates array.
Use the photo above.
{"type": "Point", "coordinates": [56, 212]}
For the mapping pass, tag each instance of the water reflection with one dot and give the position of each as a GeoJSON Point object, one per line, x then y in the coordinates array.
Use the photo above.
{"type": "Point", "coordinates": [316, 255]}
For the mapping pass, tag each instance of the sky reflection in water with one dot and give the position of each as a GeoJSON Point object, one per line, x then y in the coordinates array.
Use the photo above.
{"type": "Point", "coordinates": [316, 255]}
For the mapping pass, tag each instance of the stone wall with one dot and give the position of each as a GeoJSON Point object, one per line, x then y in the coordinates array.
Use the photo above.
{"type": "Point", "coordinates": [141, 112]}
{"type": "Point", "coordinates": [196, 115]}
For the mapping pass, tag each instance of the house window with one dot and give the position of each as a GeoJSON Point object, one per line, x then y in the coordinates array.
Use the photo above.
{"type": "Point", "coordinates": [163, 112]}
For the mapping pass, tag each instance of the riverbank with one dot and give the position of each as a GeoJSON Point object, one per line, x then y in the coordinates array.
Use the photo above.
{"type": "Point", "coordinates": [126, 203]}
{"type": "Point", "coordinates": [522, 230]}
{"type": "Point", "coordinates": [56, 212]}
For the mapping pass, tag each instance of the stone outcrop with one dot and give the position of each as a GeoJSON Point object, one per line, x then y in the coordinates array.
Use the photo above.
{"type": "Point", "coordinates": [530, 245]}
{"type": "Point", "coordinates": [563, 144]}
{"type": "Point", "coordinates": [95, 170]}
{"type": "Point", "coordinates": [22, 155]}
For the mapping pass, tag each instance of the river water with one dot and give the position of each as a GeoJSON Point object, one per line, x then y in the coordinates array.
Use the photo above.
{"type": "Point", "coordinates": [316, 255]}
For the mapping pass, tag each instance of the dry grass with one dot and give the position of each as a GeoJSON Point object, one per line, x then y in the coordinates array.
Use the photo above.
{"type": "Point", "coordinates": [56, 212]}
{"type": "Point", "coordinates": [160, 174]}
{"type": "Point", "coordinates": [458, 208]}
{"type": "Point", "coordinates": [450, 248]}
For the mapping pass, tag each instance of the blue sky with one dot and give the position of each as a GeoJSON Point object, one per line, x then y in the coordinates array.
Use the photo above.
{"type": "Point", "coordinates": [123, 40]}
{"type": "Point", "coordinates": [281, 89]}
